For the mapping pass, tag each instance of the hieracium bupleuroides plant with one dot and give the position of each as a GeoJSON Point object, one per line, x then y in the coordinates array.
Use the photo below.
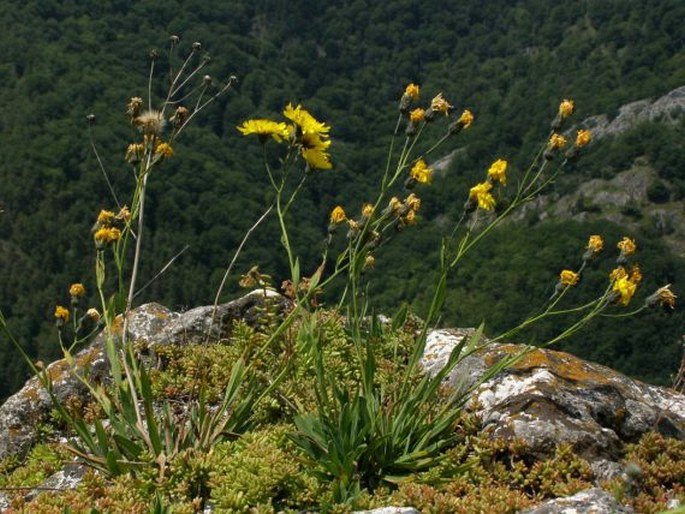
{"type": "Point", "coordinates": [359, 433]}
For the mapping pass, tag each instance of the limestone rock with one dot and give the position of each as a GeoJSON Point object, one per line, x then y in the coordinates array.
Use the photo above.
{"type": "Point", "coordinates": [590, 501]}
{"type": "Point", "coordinates": [550, 397]}
{"type": "Point", "coordinates": [150, 324]}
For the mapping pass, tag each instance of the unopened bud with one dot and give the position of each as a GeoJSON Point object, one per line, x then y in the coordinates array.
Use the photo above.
{"type": "Point", "coordinates": [197, 46]}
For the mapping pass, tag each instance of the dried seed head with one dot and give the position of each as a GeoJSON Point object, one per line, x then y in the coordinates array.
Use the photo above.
{"type": "Point", "coordinates": [197, 46]}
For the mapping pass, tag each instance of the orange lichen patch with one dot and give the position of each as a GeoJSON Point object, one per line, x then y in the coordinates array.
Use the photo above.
{"type": "Point", "coordinates": [561, 364]}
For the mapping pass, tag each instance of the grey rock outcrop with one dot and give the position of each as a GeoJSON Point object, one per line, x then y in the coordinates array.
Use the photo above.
{"type": "Point", "coordinates": [590, 501]}
{"type": "Point", "coordinates": [549, 397]}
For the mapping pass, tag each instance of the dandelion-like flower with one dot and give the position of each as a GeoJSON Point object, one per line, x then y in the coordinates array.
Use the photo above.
{"type": "Point", "coordinates": [566, 108]}
{"type": "Point", "coordinates": [412, 91]}
{"type": "Point", "coordinates": [369, 261]}
{"type": "Point", "coordinates": [61, 315]}
{"type": "Point", "coordinates": [307, 123]}
{"type": "Point", "coordinates": [595, 243]}
{"type": "Point", "coordinates": [317, 158]}
{"type": "Point", "coordinates": [480, 193]}
{"type": "Point", "coordinates": [93, 314]}
{"type": "Point", "coordinates": [625, 290]}
{"type": "Point", "coordinates": [568, 278]}
{"type": "Point", "coordinates": [417, 115]}
{"type": "Point", "coordinates": [150, 122]}
{"type": "Point", "coordinates": [396, 206]}
{"type": "Point", "coordinates": [556, 142]}
{"type": "Point", "coordinates": [583, 138]}
{"type": "Point", "coordinates": [409, 218]}
{"type": "Point", "coordinates": [413, 202]}
{"type": "Point", "coordinates": [618, 274]}
{"type": "Point", "coordinates": [498, 171]}
{"type": "Point", "coordinates": [635, 275]}
{"type": "Point", "coordinates": [663, 297]}
{"type": "Point", "coordinates": [105, 218]}
{"type": "Point", "coordinates": [421, 172]}
{"type": "Point", "coordinates": [134, 152]}
{"type": "Point", "coordinates": [265, 129]}
{"type": "Point", "coordinates": [439, 104]}
{"type": "Point", "coordinates": [165, 150]}
{"type": "Point", "coordinates": [77, 290]}
{"type": "Point", "coordinates": [106, 235]}
{"type": "Point", "coordinates": [367, 210]}
{"type": "Point", "coordinates": [338, 215]}
{"type": "Point", "coordinates": [627, 246]}
{"type": "Point", "coordinates": [465, 119]}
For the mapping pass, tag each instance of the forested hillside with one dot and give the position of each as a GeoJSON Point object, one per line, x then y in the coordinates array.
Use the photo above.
{"type": "Point", "coordinates": [348, 62]}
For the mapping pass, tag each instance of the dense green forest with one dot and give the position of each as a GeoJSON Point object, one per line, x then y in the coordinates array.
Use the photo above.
{"type": "Point", "coordinates": [348, 62]}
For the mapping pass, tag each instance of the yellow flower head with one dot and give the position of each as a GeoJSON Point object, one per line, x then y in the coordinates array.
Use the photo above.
{"type": "Point", "coordinates": [412, 91]}
{"type": "Point", "coordinates": [307, 123]}
{"type": "Point", "coordinates": [105, 218]}
{"type": "Point", "coordinates": [635, 275]}
{"type": "Point", "coordinates": [568, 277]}
{"type": "Point", "coordinates": [367, 210]}
{"type": "Point", "coordinates": [265, 128]}
{"type": "Point", "coordinates": [439, 104]}
{"type": "Point", "coordinates": [77, 290]}
{"type": "Point", "coordinates": [465, 119]}
{"type": "Point", "coordinates": [618, 273]}
{"type": "Point", "coordinates": [566, 108]}
{"type": "Point", "coordinates": [481, 193]}
{"type": "Point", "coordinates": [61, 314]}
{"type": "Point", "coordinates": [421, 173]}
{"type": "Point", "coordinates": [583, 138]}
{"type": "Point", "coordinates": [317, 158]}
{"type": "Point", "coordinates": [413, 202]}
{"type": "Point", "coordinates": [369, 261]}
{"type": "Point", "coordinates": [595, 243]}
{"type": "Point", "coordinates": [556, 142]}
{"type": "Point", "coordinates": [134, 152]}
{"type": "Point", "coordinates": [338, 215]}
{"type": "Point", "coordinates": [417, 115]}
{"type": "Point", "coordinates": [625, 289]}
{"type": "Point", "coordinates": [106, 235]}
{"type": "Point", "coordinates": [663, 297]}
{"type": "Point", "coordinates": [165, 150]}
{"type": "Point", "coordinates": [498, 171]}
{"type": "Point", "coordinates": [627, 246]}
{"type": "Point", "coordinates": [409, 218]}
{"type": "Point", "coordinates": [396, 205]}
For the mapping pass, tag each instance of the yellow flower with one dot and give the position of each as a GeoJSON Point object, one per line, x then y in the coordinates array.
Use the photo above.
{"type": "Point", "coordinates": [409, 218]}
{"type": "Point", "coordinates": [566, 108]}
{"type": "Point", "coordinates": [421, 173]}
{"type": "Point", "coordinates": [439, 104]}
{"type": "Point", "coordinates": [61, 314]}
{"type": "Point", "coordinates": [107, 235]}
{"type": "Point", "coordinates": [265, 128]}
{"type": "Point", "coordinates": [367, 210]}
{"type": "Point", "coordinates": [77, 290]}
{"type": "Point", "coordinates": [568, 277]}
{"type": "Point", "coordinates": [625, 288]}
{"type": "Point", "coordinates": [413, 202]}
{"type": "Point", "coordinates": [412, 91]}
{"type": "Point", "coordinates": [307, 123]}
{"type": "Point", "coordinates": [556, 142]}
{"type": "Point", "coordinates": [105, 218]}
{"type": "Point", "coordinates": [627, 246]}
{"type": "Point", "coordinates": [165, 150]}
{"type": "Point", "coordinates": [338, 215]}
{"type": "Point", "coordinates": [663, 297]}
{"type": "Point", "coordinates": [417, 115]}
{"type": "Point", "coordinates": [595, 243]}
{"type": "Point", "coordinates": [396, 205]}
{"type": "Point", "coordinates": [498, 171]}
{"type": "Point", "coordinates": [134, 152]}
{"type": "Point", "coordinates": [583, 138]}
{"type": "Point", "coordinates": [481, 193]}
{"type": "Point", "coordinates": [635, 275]}
{"type": "Point", "coordinates": [317, 159]}
{"type": "Point", "coordinates": [465, 119]}
{"type": "Point", "coordinates": [618, 273]}
{"type": "Point", "coordinates": [369, 261]}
